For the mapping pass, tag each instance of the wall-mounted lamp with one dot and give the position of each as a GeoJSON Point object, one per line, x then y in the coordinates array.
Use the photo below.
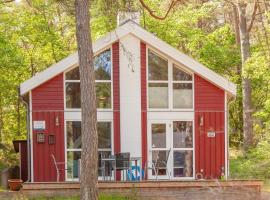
{"type": "Point", "coordinates": [56, 121]}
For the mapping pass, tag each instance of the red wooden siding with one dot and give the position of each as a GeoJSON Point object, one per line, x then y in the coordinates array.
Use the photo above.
{"type": "Point", "coordinates": [209, 105]}
{"type": "Point", "coordinates": [23, 161]}
{"type": "Point", "coordinates": [116, 100]}
{"type": "Point", "coordinates": [143, 104]}
{"type": "Point", "coordinates": [47, 105]}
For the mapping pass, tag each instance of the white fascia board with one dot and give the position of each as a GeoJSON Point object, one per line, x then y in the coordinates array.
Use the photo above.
{"type": "Point", "coordinates": [147, 37]}
{"type": "Point", "coordinates": [176, 55]}
{"type": "Point", "coordinates": [71, 60]}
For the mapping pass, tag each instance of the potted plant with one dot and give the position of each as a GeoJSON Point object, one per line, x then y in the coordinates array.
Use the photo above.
{"type": "Point", "coordinates": [15, 184]}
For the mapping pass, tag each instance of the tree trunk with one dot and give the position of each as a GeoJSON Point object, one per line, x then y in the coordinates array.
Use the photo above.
{"type": "Point", "coordinates": [89, 160]}
{"type": "Point", "coordinates": [246, 84]}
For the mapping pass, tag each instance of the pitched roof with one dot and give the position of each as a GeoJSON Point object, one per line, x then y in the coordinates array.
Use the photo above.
{"type": "Point", "coordinates": [131, 27]}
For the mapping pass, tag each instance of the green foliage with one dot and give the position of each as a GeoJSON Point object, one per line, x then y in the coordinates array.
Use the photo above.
{"type": "Point", "coordinates": [255, 164]}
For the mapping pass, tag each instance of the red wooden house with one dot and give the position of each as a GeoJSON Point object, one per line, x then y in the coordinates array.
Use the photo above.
{"type": "Point", "coordinates": [150, 98]}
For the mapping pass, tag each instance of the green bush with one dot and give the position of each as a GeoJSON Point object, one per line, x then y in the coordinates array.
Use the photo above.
{"type": "Point", "coordinates": [254, 164]}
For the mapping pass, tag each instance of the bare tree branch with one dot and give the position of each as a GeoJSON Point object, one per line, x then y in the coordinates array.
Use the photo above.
{"type": "Point", "coordinates": [152, 13]}
{"type": "Point", "coordinates": [253, 15]}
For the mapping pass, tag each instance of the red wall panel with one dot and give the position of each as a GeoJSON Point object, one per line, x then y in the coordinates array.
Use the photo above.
{"type": "Point", "coordinates": [48, 105]}
{"type": "Point", "coordinates": [143, 104]}
{"type": "Point", "coordinates": [209, 116]}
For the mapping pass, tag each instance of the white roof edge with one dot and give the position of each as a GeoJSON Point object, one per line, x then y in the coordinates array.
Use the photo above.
{"type": "Point", "coordinates": [149, 38]}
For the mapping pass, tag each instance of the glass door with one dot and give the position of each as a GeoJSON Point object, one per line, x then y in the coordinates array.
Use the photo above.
{"type": "Point", "coordinates": [159, 150]}
{"type": "Point", "coordinates": [171, 147]}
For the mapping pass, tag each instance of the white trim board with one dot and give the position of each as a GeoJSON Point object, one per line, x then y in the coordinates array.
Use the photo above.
{"type": "Point", "coordinates": [131, 27]}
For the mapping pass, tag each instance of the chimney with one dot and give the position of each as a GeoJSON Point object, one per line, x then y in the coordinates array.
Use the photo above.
{"type": "Point", "coordinates": [122, 17]}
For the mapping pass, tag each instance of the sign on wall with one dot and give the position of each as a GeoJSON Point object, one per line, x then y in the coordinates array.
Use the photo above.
{"type": "Point", "coordinates": [39, 125]}
{"type": "Point", "coordinates": [211, 134]}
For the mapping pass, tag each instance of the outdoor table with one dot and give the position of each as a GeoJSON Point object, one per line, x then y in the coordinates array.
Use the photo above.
{"type": "Point", "coordinates": [136, 159]}
{"type": "Point", "coordinates": [111, 162]}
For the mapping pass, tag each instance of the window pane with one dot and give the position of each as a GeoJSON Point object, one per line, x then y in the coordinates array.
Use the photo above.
{"type": "Point", "coordinates": [159, 159]}
{"type": "Point", "coordinates": [104, 135]}
{"type": "Point", "coordinates": [73, 74]}
{"type": "Point", "coordinates": [73, 164]}
{"type": "Point", "coordinates": [74, 135]}
{"type": "Point", "coordinates": [180, 75]}
{"type": "Point", "coordinates": [158, 135]}
{"type": "Point", "coordinates": [73, 95]}
{"type": "Point", "coordinates": [157, 67]}
{"type": "Point", "coordinates": [182, 134]}
{"type": "Point", "coordinates": [158, 95]}
{"type": "Point", "coordinates": [103, 65]}
{"type": "Point", "coordinates": [103, 92]}
{"type": "Point", "coordinates": [183, 163]}
{"type": "Point", "coordinates": [182, 95]}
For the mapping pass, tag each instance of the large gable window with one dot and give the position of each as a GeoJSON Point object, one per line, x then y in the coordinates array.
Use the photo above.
{"type": "Point", "coordinates": [165, 78]}
{"type": "Point", "coordinates": [157, 81]}
{"type": "Point", "coordinates": [103, 82]}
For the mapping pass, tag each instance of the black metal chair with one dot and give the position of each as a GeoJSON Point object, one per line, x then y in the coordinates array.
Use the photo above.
{"type": "Point", "coordinates": [122, 162]}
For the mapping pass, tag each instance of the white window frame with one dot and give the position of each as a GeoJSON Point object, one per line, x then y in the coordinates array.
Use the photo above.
{"type": "Point", "coordinates": [96, 81]}
{"type": "Point", "coordinates": [169, 145]}
{"type": "Point", "coordinates": [170, 82]}
{"type": "Point", "coordinates": [80, 150]}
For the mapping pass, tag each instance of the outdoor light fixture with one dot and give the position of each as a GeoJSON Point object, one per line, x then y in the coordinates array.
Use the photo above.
{"type": "Point", "coordinates": [201, 120]}
{"type": "Point", "coordinates": [56, 121]}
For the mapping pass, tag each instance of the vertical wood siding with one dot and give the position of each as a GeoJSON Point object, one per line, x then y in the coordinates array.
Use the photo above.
{"type": "Point", "coordinates": [47, 105]}
{"type": "Point", "coordinates": [143, 104]}
{"type": "Point", "coordinates": [23, 161]}
{"type": "Point", "coordinates": [209, 105]}
{"type": "Point", "coordinates": [116, 100]}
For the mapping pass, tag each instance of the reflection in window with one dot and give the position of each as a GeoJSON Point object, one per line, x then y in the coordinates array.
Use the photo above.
{"type": "Point", "coordinates": [159, 158]}
{"type": "Point", "coordinates": [182, 134]}
{"type": "Point", "coordinates": [73, 74]}
{"type": "Point", "coordinates": [73, 164]}
{"type": "Point", "coordinates": [103, 65]}
{"type": "Point", "coordinates": [74, 140]}
{"type": "Point", "coordinates": [182, 95]}
{"type": "Point", "coordinates": [73, 144]}
{"type": "Point", "coordinates": [183, 163]}
{"type": "Point", "coordinates": [165, 79]}
{"type": "Point", "coordinates": [104, 135]}
{"type": "Point", "coordinates": [103, 73]}
{"type": "Point", "coordinates": [157, 67]}
{"type": "Point", "coordinates": [73, 95]}
{"type": "Point", "coordinates": [158, 95]}
{"type": "Point", "coordinates": [103, 94]}
{"type": "Point", "coordinates": [158, 135]}
{"type": "Point", "coordinates": [180, 75]}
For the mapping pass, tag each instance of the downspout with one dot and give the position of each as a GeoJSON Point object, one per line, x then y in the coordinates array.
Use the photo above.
{"type": "Point", "coordinates": [229, 101]}
{"type": "Point", "coordinates": [28, 137]}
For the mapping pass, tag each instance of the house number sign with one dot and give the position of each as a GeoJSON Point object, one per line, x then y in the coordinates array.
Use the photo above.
{"type": "Point", "coordinates": [39, 125]}
{"type": "Point", "coordinates": [211, 134]}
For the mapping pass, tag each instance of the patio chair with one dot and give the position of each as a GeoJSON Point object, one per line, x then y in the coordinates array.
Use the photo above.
{"type": "Point", "coordinates": [158, 164]}
{"type": "Point", "coordinates": [122, 163]}
{"type": "Point", "coordinates": [105, 167]}
{"type": "Point", "coordinates": [57, 167]}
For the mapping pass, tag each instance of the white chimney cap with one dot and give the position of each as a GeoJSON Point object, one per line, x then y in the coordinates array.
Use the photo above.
{"type": "Point", "coordinates": [122, 17]}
